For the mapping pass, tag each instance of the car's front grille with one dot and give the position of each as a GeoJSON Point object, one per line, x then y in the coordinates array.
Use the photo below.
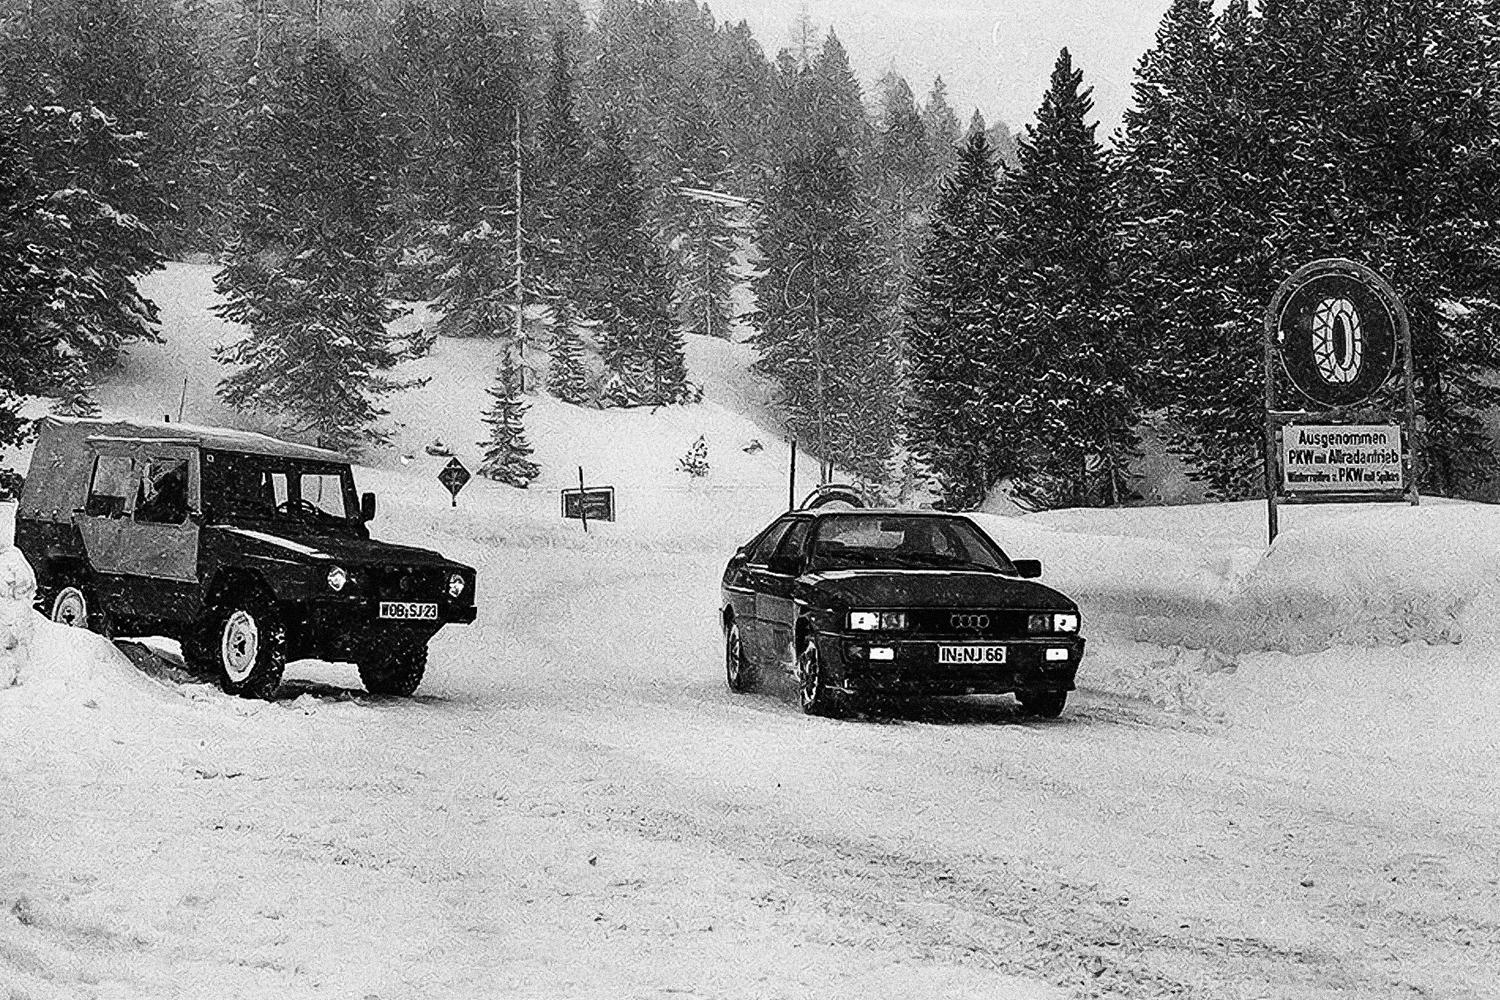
{"type": "Point", "coordinates": [407, 583]}
{"type": "Point", "coordinates": [968, 623]}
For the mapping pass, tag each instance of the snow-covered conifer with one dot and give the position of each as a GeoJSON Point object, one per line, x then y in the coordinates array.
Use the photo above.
{"type": "Point", "coordinates": [507, 453]}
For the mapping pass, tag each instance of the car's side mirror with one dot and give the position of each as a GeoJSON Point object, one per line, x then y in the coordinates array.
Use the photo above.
{"type": "Point", "coordinates": [367, 507]}
{"type": "Point", "coordinates": [1028, 569]}
{"type": "Point", "coordinates": [785, 565]}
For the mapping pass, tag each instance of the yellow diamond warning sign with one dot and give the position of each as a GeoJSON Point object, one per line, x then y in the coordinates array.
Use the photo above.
{"type": "Point", "coordinates": [1346, 458]}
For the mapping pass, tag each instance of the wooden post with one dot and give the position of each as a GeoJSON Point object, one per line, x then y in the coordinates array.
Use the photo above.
{"type": "Point", "coordinates": [583, 507]}
{"type": "Point", "coordinates": [791, 483]}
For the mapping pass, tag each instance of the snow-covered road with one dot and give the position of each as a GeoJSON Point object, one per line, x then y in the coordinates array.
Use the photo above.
{"type": "Point", "coordinates": [574, 806]}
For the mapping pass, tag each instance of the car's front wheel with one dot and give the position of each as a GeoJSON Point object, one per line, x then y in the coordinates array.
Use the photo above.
{"type": "Point", "coordinates": [247, 643]}
{"type": "Point", "coordinates": [394, 671]}
{"type": "Point", "coordinates": [1047, 704]}
{"type": "Point", "coordinates": [738, 672]}
{"type": "Point", "coordinates": [817, 697]}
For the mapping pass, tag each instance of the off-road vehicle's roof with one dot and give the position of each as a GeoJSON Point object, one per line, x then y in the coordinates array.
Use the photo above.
{"type": "Point", "coordinates": [215, 438]}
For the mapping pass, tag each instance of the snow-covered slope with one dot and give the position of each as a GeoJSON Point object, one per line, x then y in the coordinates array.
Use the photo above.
{"type": "Point", "coordinates": [1277, 779]}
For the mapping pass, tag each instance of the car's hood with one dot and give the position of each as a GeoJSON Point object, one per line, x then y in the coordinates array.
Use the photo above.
{"type": "Point", "coordinates": [339, 549]}
{"type": "Point", "coordinates": [933, 588]}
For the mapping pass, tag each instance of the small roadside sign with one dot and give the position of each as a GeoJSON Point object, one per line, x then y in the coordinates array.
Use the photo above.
{"type": "Point", "coordinates": [597, 503]}
{"type": "Point", "coordinates": [454, 476]}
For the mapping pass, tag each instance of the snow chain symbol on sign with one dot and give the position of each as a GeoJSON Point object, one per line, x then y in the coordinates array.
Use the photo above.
{"type": "Point", "coordinates": [1338, 341]}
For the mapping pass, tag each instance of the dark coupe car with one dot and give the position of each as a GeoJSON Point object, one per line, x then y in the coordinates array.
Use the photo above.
{"type": "Point", "coordinates": [872, 604]}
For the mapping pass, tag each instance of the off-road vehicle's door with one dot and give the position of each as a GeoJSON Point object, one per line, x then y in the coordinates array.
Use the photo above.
{"type": "Point", "coordinates": [140, 527]}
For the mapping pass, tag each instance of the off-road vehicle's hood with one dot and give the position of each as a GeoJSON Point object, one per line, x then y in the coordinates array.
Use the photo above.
{"type": "Point", "coordinates": [934, 588]}
{"type": "Point", "coordinates": [342, 550]}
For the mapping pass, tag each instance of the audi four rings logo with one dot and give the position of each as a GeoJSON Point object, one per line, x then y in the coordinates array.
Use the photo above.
{"type": "Point", "coordinates": [971, 621]}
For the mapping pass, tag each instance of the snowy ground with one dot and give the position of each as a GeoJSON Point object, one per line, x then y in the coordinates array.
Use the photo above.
{"type": "Point", "coordinates": [1277, 782]}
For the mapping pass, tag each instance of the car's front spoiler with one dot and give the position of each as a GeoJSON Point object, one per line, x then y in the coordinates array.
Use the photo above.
{"type": "Point", "coordinates": [914, 670]}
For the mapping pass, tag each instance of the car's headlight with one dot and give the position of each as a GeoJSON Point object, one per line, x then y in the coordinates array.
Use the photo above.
{"type": "Point", "coordinates": [877, 621]}
{"type": "Point", "coordinates": [1065, 621]}
{"type": "Point", "coordinates": [337, 579]}
{"type": "Point", "coordinates": [456, 584]}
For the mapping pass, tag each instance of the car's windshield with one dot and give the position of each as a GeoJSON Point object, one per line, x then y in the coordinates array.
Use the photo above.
{"type": "Point", "coordinates": [895, 541]}
{"type": "Point", "coordinates": [253, 487]}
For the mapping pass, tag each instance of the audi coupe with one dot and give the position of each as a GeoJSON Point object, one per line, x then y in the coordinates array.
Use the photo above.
{"type": "Point", "coordinates": [859, 605]}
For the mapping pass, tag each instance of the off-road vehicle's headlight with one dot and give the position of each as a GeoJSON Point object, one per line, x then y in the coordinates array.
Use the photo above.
{"type": "Point", "coordinates": [456, 584]}
{"type": "Point", "coordinates": [878, 621]}
{"type": "Point", "coordinates": [337, 578]}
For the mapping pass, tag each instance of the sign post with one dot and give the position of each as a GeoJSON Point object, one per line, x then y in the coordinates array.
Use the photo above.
{"type": "Point", "coordinates": [1338, 330]}
{"type": "Point", "coordinates": [454, 476]}
{"type": "Point", "coordinates": [585, 503]}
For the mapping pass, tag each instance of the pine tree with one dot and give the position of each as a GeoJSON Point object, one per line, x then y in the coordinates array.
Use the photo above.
{"type": "Point", "coordinates": [132, 60]}
{"type": "Point", "coordinates": [305, 276]}
{"type": "Point", "coordinates": [630, 293]}
{"type": "Point", "coordinates": [69, 302]}
{"type": "Point", "coordinates": [823, 324]}
{"type": "Point", "coordinates": [423, 174]}
{"type": "Point", "coordinates": [695, 462]}
{"type": "Point", "coordinates": [699, 228]}
{"type": "Point", "coordinates": [950, 338]}
{"type": "Point", "coordinates": [507, 453]}
{"type": "Point", "coordinates": [1062, 305]}
{"type": "Point", "coordinates": [567, 378]}
{"type": "Point", "coordinates": [940, 125]}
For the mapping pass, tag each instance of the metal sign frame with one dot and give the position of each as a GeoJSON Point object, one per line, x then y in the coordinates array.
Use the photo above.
{"type": "Point", "coordinates": [584, 495]}
{"type": "Point", "coordinates": [1279, 418]}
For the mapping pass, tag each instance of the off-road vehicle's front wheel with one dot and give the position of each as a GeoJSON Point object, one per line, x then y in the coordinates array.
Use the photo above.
{"type": "Point", "coordinates": [394, 669]}
{"type": "Point", "coordinates": [243, 641]}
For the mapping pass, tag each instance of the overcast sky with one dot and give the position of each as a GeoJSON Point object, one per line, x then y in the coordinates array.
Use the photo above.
{"type": "Point", "coordinates": [993, 54]}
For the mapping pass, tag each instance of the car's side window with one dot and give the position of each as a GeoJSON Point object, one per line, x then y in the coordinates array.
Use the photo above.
{"type": "Point", "coordinates": [761, 550]}
{"type": "Point", "coordinates": [794, 544]}
{"type": "Point", "coordinates": [163, 496]}
{"type": "Point", "coordinates": [110, 486]}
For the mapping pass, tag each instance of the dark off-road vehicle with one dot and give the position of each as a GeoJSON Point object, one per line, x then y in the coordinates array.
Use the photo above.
{"type": "Point", "coordinates": [249, 550]}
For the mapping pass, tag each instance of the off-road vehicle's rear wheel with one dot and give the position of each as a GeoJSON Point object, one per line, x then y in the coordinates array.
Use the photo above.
{"type": "Point", "coordinates": [246, 641]}
{"type": "Point", "coordinates": [395, 669]}
{"type": "Point", "coordinates": [74, 604]}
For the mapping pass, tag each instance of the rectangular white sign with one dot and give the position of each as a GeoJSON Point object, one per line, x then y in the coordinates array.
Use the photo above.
{"type": "Point", "coordinates": [1349, 458]}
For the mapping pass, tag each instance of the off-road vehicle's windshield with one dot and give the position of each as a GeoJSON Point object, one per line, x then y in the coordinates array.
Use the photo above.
{"type": "Point", "coordinates": [311, 496]}
{"type": "Point", "coordinates": [885, 541]}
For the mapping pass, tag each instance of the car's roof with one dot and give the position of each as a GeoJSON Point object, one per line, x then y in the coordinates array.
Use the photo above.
{"type": "Point", "coordinates": [823, 512]}
{"type": "Point", "coordinates": [213, 438]}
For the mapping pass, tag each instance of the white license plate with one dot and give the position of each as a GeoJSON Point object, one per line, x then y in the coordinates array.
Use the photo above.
{"type": "Point", "coordinates": [408, 611]}
{"type": "Point", "coordinates": [971, 654]}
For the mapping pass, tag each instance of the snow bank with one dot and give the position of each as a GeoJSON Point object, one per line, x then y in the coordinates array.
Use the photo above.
{"type": "Point", "coordinates": [17, 589]}
{"type": "Point", "coordinates": [1202, 578]}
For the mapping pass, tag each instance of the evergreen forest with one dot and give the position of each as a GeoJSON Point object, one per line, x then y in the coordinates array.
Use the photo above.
{"type": "Point", "coordinates": [943, 308]}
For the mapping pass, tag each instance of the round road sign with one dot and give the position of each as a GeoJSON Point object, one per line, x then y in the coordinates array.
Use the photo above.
{"type": "Point", "coordinates": [1336, 325]}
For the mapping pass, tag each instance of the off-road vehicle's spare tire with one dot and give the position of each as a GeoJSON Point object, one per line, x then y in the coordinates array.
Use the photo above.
{"type": "Point", "coordinates": [393, 668]}
{"type": "Point", "coordinates": [245, 640]}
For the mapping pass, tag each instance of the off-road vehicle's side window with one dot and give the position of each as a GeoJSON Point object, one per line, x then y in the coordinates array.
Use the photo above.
{"type": "Point", "coordinates": [163, 498]}
{"type": "Point", "coordinates": [325, 492]}
{"type": "Point", "coordinates": [109, 486]}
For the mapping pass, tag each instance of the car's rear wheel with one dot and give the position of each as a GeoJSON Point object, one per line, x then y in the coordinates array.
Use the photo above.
{"type": "Point", "coordinates": [248, 646]}
{"type": "Point", "coordinates": [812, 682]}
{"type": "Point", "coordinates": [1047, 704]}
{"type": "Point", "coordinates": [394, 671]}
{"type": "Point", "coordinates": [738, 672]}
